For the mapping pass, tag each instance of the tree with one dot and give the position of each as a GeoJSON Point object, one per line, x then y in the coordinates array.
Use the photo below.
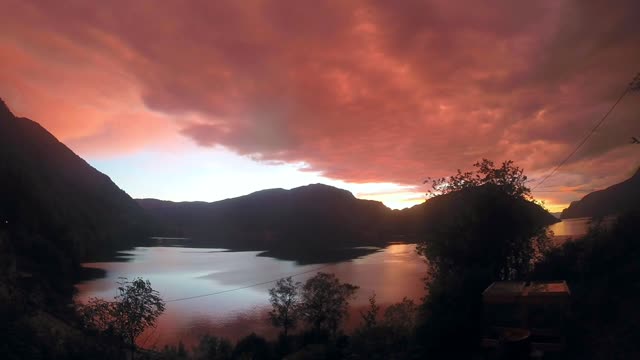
{"type": "Point", "coordinates": [370, 317]}
{"type": "Point", "coordinates": [464, 229]}
{"type": "Point", "coordinates": [213, 348]}
{"type": "Point", "coordinates": [136, 307]}
{"type": "Point", "coordinates": [252, 347]}
{"type": "Point", "coordinates": [391, 338]}
{"type": "Point", "coordinates": [285, 301]}
{"type": "Point", "coordinates": [401, 317]}
{"type": "Point", "coordinates": [602, 271]}
{"type": "Point", "coordinates": [508, 177]}
{"type": "Point", "coordinates": [325, 302]}
{"type": "Point", "coordinates": [483, 227]}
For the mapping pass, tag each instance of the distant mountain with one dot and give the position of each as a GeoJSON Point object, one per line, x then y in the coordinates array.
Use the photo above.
{"type": "Point", "coordinates": [613, 200]}
{"type": "Point", "coordinates": [55, 209]}
{"type": "Point", "coordinates": [299, 220]}
{"type": "Point", "coordinates": [312, 216]}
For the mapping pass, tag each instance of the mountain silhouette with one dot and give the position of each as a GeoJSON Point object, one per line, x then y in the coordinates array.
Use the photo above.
{"type": "Point", "coordinates": [59, 208]}
{"type": "Point", "coordinates": [56, 210]}
{"type": "Point", "coordinates": [613, 200]}
{"type": "Point", "coordinates": [310, 216]}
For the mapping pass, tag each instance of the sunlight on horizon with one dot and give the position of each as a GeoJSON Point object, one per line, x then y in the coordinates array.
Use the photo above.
{"type": "Point", "coordinates": [188, 172]}
{"type": "Point", "coordinates": [192, 173]}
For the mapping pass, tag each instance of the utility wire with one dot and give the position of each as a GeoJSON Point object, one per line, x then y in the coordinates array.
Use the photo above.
{"type": "Point", "coordinates": [247, 286]}
{"type": "Point", "coordinates": [565, 191]}
{"type": "Point", "coordinates": [633, 86]}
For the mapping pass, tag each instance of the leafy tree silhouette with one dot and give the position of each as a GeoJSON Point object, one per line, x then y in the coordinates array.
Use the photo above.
{"type": "Point", "coordinates": [483, 227]}
{"type": "Point", "coordinates": [285, 303]}
{"type": "Point", "coordinates": [325, 302]}
{"type": "Point", "coordinates": [136, 307]}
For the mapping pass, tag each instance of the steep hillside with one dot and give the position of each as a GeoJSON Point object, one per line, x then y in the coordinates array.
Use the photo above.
{"type": "Point", "coordinates": [613, 200]}
{"type": "Point", "coordinates": [56, 209]}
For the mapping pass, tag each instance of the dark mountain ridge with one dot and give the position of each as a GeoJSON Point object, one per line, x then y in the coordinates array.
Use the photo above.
{"type": "Point", "coordinates": [56, 206]}
{"type": "Point", "coordinates": [310, 217]}
{"type": "Point", "coordinates": [315, 215]}
{"type": "Point", "coordinates": [56, 209]}
{"type": "Point", "coordinates": [615, 199]}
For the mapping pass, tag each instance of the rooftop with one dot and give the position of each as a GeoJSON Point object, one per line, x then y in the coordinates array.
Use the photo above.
{"type": "Point", "coordinates": [513, 291]}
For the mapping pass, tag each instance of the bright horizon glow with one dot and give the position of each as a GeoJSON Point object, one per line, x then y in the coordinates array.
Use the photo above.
{"type": "Point", "coordinates": [187, 172]}
{"type": "Point", "coordinates": [191, 173]}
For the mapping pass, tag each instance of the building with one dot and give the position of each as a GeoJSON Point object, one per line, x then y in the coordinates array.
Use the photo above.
{"type": "Point", "coordinates": [531, 313]}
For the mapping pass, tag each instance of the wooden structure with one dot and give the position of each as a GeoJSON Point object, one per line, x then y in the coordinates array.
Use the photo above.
{"type": "Point", "coordinates": [538, 309]}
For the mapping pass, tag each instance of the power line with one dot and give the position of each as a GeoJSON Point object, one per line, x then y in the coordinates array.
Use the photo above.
{"type": "Point", "coordinates": [247, 286]}
{"type": "Point", "coordinates": [564, 191]}
{"type": "Point", "coordinates": [634, 85]}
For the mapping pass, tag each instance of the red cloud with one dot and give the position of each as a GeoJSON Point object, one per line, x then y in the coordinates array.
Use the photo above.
{"type": "Point", "coordinates": [362, 91]}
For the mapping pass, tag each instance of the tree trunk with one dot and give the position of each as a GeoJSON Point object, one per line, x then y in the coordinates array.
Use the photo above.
{"type": "Point", "coordinates": [133, 348]}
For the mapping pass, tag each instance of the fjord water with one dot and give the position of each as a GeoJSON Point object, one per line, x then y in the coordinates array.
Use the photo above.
{"type": "Point", "coordinates": [240, 308]}
{"type": "Point", "coordinates": [212, 290]}
{"type": "Point", "coordinates": [571, 227]}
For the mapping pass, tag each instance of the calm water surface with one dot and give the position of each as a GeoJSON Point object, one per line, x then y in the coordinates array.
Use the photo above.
{"type": "Point", "coordinates": [182, 272]}
{"type": "Point", "coordinates": [571, 227]}
{"type": "Point", "coordinates": [240, 308]}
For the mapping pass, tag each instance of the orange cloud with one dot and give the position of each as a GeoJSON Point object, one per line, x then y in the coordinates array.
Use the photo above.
{"type": "Point", "coordinates": [363, 91]}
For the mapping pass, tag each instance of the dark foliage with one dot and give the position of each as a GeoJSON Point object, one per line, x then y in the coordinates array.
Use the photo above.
{"type": "Point", "coordinates": [213, 348]}
{"type": "Point", "coordinates": [325, 302]}
{"type": "Point", "coordinates": [485, 230]}
{"type": "Point", "coordinates": [252, 347]}
{"type": "Point", "coordinates": [602, 271]}
{"type": "Point", "coordinates": [392, 337]}
{"type": "Point", "coordinates": [285, 304]}
{"type": "Point", "coordinates": [55, 211]}
{"type": "Point", "coordinates": [508, 178]}
{"type": "Point", "coordinates": [136, 307]}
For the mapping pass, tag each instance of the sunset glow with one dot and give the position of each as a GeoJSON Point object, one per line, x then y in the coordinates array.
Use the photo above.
{"type": "Point", "coordinates": [211, 100]}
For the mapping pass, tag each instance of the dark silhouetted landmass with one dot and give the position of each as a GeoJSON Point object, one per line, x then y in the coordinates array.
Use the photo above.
{"type": "Point", "coordinates": [454, 203]}
{"type": "Point", "coordinates": [601, 270]}
{"type": "Point", "coordinates": [312, 216]}
{"type": "Point", "coordinates": [290, 223]}
{"type": "Point", "coordinates": [48, 191]}
{"type": "Point", "coordinates": [55, 212]}
{"type": "Point", "coordinates": [613, 200]}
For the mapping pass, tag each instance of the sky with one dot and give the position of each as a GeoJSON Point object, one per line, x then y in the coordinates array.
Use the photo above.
{"type": "Point", "coordinates": [205, 100]}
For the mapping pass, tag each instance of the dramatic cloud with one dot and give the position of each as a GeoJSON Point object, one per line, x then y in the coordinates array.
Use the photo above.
{"type": "Point", "coordinates": [363, 91]}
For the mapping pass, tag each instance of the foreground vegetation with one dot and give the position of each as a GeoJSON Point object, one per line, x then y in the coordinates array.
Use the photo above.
{"type": "Point", "coordinates": [601, 270]}
{"type": "Point", "coordinates": [465, 250]}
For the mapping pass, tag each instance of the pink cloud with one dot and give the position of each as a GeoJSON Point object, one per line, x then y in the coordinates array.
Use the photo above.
{"type": "Point", "coordinates": [363, 91]}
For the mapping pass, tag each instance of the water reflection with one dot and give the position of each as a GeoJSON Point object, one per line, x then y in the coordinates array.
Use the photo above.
{"type": "Point", "coordinates": [571, 227]}
{"type": "Point", "coordinates": [182, 272]}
